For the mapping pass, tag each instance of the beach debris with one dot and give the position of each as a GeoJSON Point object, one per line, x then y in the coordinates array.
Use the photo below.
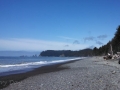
{"type": "Point", "coordinates": [113, 72]}
{"type": "Point", "coordinates": [119, 61]}
{"type": "Point", "coordinates": [109, 56]}
{"type": "Point", "coordinates": [115, 56]}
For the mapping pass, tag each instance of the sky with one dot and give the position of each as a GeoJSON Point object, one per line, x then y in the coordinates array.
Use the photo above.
{"type": "Point", "coordinates": [37, 25]}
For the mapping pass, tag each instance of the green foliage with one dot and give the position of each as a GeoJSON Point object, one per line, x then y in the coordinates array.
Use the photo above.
{"type": "Point", "coordinates": [115, 42]}
{"type": "Point", "coordinates": [67, 53]}
{"type": "Point", "coordinates": [103, 50]}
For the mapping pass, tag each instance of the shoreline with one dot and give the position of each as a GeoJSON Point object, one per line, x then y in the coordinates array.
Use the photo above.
{"type": "Point", "coordinates": [13, 78]}
{"type": "Point", "coordinates": [93, 73]}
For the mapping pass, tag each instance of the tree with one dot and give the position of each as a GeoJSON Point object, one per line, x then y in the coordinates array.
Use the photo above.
{"type": "Point", "coordinates": [95, 51]}
{"type": "Point", "coordinates": [116, 40]}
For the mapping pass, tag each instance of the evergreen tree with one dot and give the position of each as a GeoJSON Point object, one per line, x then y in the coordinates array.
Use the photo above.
{"type": "Point", "coordinates": [116, 40]}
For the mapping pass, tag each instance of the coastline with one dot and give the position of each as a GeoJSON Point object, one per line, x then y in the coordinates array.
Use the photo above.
{"type": "Point", "coordinates": [91, 73]}
{"type": "Point", "coordinates": [13, 78]}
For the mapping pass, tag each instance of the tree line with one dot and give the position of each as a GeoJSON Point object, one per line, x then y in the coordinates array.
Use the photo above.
{"type": "Point", "coordinates": [115, 42]}
{"type": "Point", "coordinates": [103, 50]}
{"type": "Point", "coordinates": [67, 53]}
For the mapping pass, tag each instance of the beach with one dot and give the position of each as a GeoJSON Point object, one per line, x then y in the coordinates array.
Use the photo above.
{"type": "Point", "coordinates": [93, 73]}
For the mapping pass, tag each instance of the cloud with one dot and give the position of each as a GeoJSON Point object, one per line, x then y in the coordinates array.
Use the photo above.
{"type": "Point", "coordinates": [91, 47]}
{"type": "Point", "coordinates": [66, 45]}
{"type": "Point", "coordinates": [67, 38]}
{"type": "Point", "coordinates": [96, 39]}
{"type": "Point", "coordinates": [91, 38]}
{"type": "Point", "coordinates": [76, 42]}
{"type": "Point", "coordinates": [99, 43]}
{"type": "Point", "coordinates": [102, 37]}
{"type": "Point", "coordinates": [36, 45]}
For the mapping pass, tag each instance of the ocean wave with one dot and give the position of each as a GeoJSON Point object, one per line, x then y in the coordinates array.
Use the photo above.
{"type": "Point", "coordinates": [30, 65]}
{"type": "Point", "coordinates": [37, 63]}
{"type": "Point", "coordinates": [25, 64]}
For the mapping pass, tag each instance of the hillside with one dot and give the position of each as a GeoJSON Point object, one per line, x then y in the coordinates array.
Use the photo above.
{"type": "Point", "coordinates": [67, 53]}
{"type": "Point", "coordinates": [103, 50]}
{"type": "Point", "coordinates": [115, 42]}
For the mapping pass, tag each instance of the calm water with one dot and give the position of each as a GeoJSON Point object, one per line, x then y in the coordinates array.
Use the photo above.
{"type": "Point", "coordinates": [10, 65]}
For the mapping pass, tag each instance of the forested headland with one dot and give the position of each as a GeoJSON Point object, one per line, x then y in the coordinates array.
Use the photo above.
{"type": "Point", "coordinates": [67, 53]}
{"type": "Point", "coordinates": [115, 43]}
{"type": "Point", "coordinates": [103, 50]}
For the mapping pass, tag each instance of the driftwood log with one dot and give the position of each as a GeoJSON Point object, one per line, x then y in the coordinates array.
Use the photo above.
{"type": "Point", "coordinates": [107, 57]}
{"type": "Point", "coordinates": [119, 61]}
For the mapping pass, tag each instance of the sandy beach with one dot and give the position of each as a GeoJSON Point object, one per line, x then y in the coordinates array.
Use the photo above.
{"type": "Point", "coordinates": [92, 73]}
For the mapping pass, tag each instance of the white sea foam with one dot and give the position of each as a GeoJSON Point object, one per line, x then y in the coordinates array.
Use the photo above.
{"type": "Point", "coordinates": [22, 66]}
{"type": "Point", "coordinates": [38, 63]}
{"type": "Point", "coordinates": [25, 64]}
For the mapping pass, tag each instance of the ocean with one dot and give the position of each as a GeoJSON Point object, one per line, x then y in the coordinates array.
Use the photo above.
{"type": "Point", "coordinates": [13, 65]}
